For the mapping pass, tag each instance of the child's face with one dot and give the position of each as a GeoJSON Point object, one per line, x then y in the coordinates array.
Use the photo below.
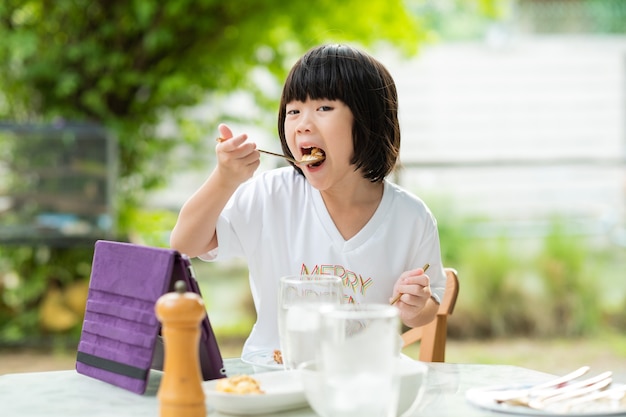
{"type": "Point", "coordinates": [324, 124]}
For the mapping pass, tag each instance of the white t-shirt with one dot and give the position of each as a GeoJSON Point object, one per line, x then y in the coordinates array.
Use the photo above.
{"type": "Point", "coordinates": [280, 225]}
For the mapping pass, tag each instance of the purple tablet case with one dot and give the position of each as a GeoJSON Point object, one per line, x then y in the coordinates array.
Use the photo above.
{"type": "Point", "coordinates": [120, 340]}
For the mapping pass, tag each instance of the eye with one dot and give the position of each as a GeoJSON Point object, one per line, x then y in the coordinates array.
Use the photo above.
{"type": "Point", "coordinates": [325, 108]}
{"type": "Point", "coordinates": [293, 111]}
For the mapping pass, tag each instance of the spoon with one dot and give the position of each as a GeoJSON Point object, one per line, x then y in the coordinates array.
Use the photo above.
{"type": "Point", "coordinates": [311, 159]}
{"type": "Point", "coordinates": [395, 300]}
{"type": "Point", "coordinates": [308, 161]}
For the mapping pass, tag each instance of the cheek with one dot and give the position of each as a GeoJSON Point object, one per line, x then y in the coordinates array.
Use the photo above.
{"type": "Point", "coordinates": [290, 136]}
{"type": "Point", "coordinates": [345, 131]}
{"type": "Point", "coordinates": [289, 128]}
{"type": "Point", "coordinates": [346, 144]}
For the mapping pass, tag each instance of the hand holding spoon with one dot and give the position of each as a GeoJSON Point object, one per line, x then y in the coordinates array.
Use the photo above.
{"type": "Point", "coordinates": [397, 297]}
{"type": "Point", "coordinates": [314, 157]}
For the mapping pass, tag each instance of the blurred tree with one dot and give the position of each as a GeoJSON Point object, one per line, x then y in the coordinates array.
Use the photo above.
{"type": "Point", "coordinates": [126, 64]}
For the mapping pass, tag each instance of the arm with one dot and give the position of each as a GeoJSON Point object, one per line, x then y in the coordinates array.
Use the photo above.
{"type": "Point", "coordinates": [416, 306]}
{"type": "Point", "coordinates": [237, 160]}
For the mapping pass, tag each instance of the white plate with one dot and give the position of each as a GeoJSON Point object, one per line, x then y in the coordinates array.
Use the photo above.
{"type": "Point", "coordinates": [483, 398]}
{"type": "Point", "coordinates": [283, 391]}
{"type": "Point", "coordinates": [262, 361]}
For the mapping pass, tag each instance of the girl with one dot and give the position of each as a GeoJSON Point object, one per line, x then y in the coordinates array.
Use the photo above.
{"type": "Point", "coordinates": [339, 216]}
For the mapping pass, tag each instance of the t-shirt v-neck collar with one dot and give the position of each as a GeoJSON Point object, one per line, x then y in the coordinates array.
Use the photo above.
{"type": "Point", "coordinates": [365, 233]}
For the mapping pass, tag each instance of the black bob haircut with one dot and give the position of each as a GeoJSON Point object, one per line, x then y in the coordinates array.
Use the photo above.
{"type": "Point", "coordinates": [340, 72]}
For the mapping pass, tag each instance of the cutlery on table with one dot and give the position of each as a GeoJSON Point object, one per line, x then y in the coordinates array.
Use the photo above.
{"type": "Point", "coordinates": [562, 393]}
{"type": "Point", "coordinates": [522, 395]}
{"type": "Point", "coordinates": [575, 390]}
{"type": "Point", "coordinates": [613, 395]}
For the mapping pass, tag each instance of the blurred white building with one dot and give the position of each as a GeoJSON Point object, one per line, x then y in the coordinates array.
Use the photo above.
{"type": "Point", "coordinates": [522, 130]}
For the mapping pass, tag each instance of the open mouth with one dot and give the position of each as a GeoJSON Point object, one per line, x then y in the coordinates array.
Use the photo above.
{"type": "Point", "coordinates": [313, 156]}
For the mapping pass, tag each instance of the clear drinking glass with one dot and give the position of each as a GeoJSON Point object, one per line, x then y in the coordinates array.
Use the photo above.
{"type": "Point", "coordinates": [300, 299]}
{"type": "Point", "coordinates": [359, 347]}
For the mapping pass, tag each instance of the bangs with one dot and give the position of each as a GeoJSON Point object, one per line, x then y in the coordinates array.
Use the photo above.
{"type": "Point", "coordinates": [321, 74]}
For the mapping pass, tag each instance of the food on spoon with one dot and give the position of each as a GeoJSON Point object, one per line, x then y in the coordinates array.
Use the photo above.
{"type": "Point", "coordinates": [278, 357]}
{"type": "Point", "coordinates": [316, 155]}
{"type": "Point", "coordinates": [239, 384]}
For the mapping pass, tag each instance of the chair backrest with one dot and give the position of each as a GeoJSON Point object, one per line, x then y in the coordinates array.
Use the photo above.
{"type": "Point", "coordinates": [432, 336]}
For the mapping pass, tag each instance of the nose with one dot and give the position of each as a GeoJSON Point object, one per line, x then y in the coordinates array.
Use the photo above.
{"type": "Point", "coordinates": [305, 124]}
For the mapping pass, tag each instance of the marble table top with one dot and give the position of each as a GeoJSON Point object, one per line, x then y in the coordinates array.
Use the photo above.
{"type": "Point", "coordinates": [68, 394]}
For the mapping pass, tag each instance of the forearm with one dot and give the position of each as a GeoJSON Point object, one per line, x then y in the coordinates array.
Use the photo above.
{"type": "Point", "coordinates": [195, 229]}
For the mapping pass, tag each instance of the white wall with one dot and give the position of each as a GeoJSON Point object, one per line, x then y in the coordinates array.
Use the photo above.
{"type": "Point", "coordinates": [536, 98]}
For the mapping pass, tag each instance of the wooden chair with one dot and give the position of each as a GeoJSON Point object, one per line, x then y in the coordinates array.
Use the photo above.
{"type": "Point", "coordinates": [432, 336]}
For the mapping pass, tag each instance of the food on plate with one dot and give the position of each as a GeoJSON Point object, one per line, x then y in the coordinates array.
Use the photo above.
{"type": "Point", "coordinates": [316, 155]}
{"type": "Point", "coordinates": [278, 357]}
{"type": "Point", "coordinates": [239, 384]}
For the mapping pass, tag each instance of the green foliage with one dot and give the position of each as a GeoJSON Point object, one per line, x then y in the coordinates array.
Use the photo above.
{"type": "Point", "coordinates": [128, 65]}
{"type": "Point", "coordinates": [27, 275]}
{"type": "Point", "coordinates": [125, 64]}
{"type": "Point", "coordinates": [453, 233]}
{"type": "Point", "coordinates": [458, 19]}
{"type": "Point", "coordinates": [573, 300]}
{"type": "Point", "coordinates": [493, 283]}
{"type": "Point", "coordinates": [511, 287]}
{"type": "Point", "coordinates": [151, 227]}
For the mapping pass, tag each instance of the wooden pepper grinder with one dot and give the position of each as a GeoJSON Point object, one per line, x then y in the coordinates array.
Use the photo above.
{"type": "Point", "coordinates": [180, 393]}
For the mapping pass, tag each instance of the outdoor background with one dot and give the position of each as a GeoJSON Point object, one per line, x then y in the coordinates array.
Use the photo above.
{"type": "Point", "coordinates": [513, 117]}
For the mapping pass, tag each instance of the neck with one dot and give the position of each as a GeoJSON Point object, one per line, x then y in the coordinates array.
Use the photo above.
{"type": "Point", "coordinates": [351, 209]}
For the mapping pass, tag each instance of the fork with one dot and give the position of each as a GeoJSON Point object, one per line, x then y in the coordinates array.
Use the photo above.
{"type": "Point", "coordinates": [544, 395]}
{"type": "Point", "coordinates": [522, 396]}
{"type": "Point", "coordinates": [578, 389]}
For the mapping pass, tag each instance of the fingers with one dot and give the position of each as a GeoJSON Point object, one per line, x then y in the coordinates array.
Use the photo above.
{"type": "Point", "coordinates": [414, 295]}
{"type": "Point", "coordinates": [231, 144]}
{"type": "Point", "coordinates": [412, 288]}
{"type": "Point", "coordinates": [237, 146]}
{"type": "Point", "coordinates": [237, 158]}
{"type": "Point", "coordinates": [416, 277]}
{"type": "Point", "coordinates": [412, 303]}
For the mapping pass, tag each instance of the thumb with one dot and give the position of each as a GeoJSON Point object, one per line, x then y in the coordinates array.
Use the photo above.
{"type": "Point", "coordinates": [225, 132]}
